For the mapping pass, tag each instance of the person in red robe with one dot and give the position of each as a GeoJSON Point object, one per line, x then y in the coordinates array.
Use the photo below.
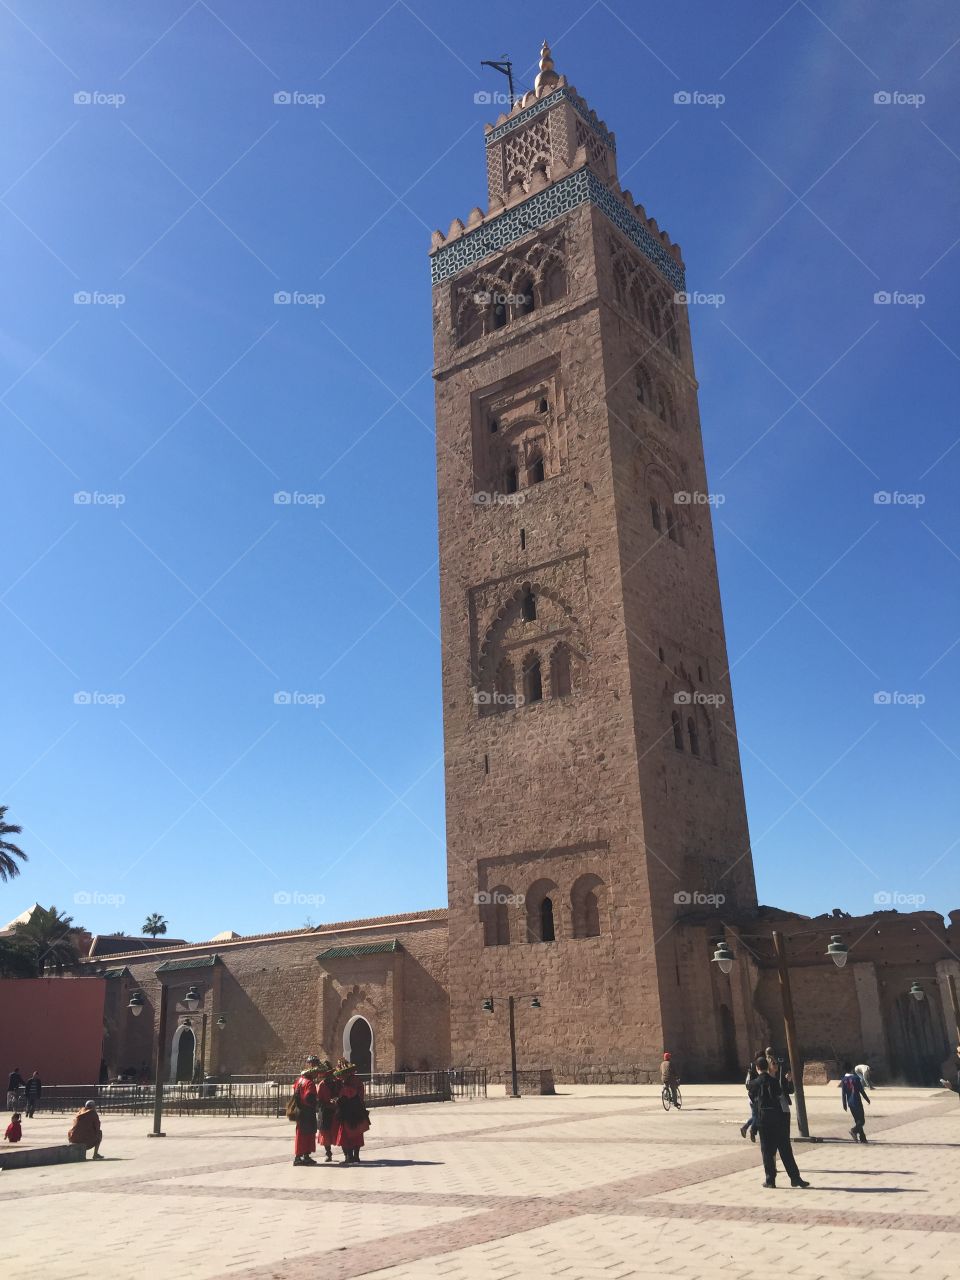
{"type": "Point", "coordinates": [327, 1090]}
{"type": "Point", "coordinates": [354, 1116]}
{"type": "Point", "coordinates": [14, 1129]}
{"type": "Point", "coordinates": [305, 1096]}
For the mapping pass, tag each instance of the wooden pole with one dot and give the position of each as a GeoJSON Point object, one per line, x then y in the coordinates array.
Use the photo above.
{"type": "Point", "coordinates": [515, 1092]}
{"type": "Point", "coordinates": [789, 1027]}
{"type": "Point", "coordinates": [158, 1072]}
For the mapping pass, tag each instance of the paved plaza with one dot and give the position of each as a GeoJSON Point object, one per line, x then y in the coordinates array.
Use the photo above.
{"type": "Point", "coordinates": [595, 1182]}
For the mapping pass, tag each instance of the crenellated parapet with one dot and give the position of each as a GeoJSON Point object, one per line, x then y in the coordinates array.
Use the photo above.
{"type": "Point", "coordinates": [489, 231]}
{"type": "Point", "coordinates": [547, 155]}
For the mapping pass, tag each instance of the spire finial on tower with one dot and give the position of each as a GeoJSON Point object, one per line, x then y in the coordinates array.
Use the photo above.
{"type": "Point", "coordinates": [548, 76]}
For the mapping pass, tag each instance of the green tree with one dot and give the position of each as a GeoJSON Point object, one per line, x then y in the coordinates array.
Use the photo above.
{"type": "Point", "coordinates": [16, 961]}
{"type": "Point", "coordinates": [154, 924]}
{"type": "Point", "coordinates": [8, 868]}
{"type": "Point", "coordinates": [47, 938]}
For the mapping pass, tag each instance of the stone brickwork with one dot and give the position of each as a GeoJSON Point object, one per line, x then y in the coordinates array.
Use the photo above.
{"type": "Point", "coordinates": [280, 1002]}
{"type": "Point", "coordinates": [570, 623]}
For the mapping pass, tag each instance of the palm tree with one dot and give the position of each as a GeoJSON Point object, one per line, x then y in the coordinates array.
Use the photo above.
{"type": "Point", "coordinates": [8, 868]}
{"type": "Point", "coordinates": [47, 936]}
{"type": "Point", "coordinates": [154, 924]}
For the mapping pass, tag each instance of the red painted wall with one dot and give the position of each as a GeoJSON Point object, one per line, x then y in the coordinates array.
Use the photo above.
{"type": "Point", "coordinates": [51, 1025]}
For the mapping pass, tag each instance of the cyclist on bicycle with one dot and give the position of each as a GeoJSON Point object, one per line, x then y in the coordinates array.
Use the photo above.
{"type": "Point", "coordinates": [669, 1077]}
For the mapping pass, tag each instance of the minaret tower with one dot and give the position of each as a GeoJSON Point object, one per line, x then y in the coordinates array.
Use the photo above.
{"type": "Point", "coordinates": [594, 794]}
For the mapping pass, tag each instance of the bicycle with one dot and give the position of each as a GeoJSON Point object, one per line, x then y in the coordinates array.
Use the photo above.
{"type": "Point", "coordinates": [670, 1097]}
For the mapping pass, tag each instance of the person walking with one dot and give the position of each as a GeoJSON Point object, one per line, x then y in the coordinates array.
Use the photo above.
{"type": "Point", "coordinates": [327, 1089]}
{"type": "Point", "coordinates": [773, 1116]}
{"type": "Point", "coordinates": [14, 1085]}
{"type": "Point", "coordinates": [669, 1077]}
{"type": "Point", "coordinates": [33, 1089]}
{"type": "Point", "coordinates": [305, 1105]}
{"type": "Point", "coordinates": [854, 1096]}
{"type": "Point", "coordinates": [85, 1130]}
{"type": "Point", "coordinates": [354, 1116]}
{"type": "Point", "coordinates": [751, 1125]}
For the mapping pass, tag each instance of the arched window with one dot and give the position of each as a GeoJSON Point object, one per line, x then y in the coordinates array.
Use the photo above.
{"type": "Point", "coordinates": [542, 406]}
{"type": "Point", "coordinates": [499, 317]}
{"type": "Point", "coordinates": [655, 514]}
{"type": "Point", "coordinates": [620, 283]}
{"type": "Point", "coordinates": [554, 283]}
{"type": "Point", "coordinates": [671, 525]}
{"type": "Point", "coordinates": [654, 322]}
{"type": "Point", "coordinates": [535, 471]}
{"type": "Point", "coordinates": [643, 388]}
{"type": "Point", "coordinates": [528, 606]}
{"type": "Point", "coordinates": [541, 924]}
{"type": "Point", "coordinates": [673, 333]}
{"type": "Point", "coordinates": [664, 406]}
{"type": "Point", "coordinates": [532, 680]}
{"type": "Point", "coordinates": [496, 917]}
{"type": "Point", "coordinates": [523, 294]}
{"type": "Point", "coordinates": [561, 679]}
{"type": "Point", "coordinates": [711, 741]}
{"type": "Point", "coordinates": [585, 903]}
{"type": "Point", "coordinates": [636, 298]}
{"type": "Point", "coordinates": [677, 730]}
{"type": "Point", "coordinates": [693, 735]}
{"type": "Point", "coordinates": [511, 480]}
{"type": "Point", "coordinates": [470, 319]}
{"type": "Point", "coordinates": [504, 685]}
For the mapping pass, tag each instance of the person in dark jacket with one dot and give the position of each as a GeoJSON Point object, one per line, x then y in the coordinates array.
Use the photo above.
{"type": "Point", "coordinates": [33, 1090]}
{"type": "Point", "coordinates": [750, 1126]}
{"type": "Point", "coordinates": [854, 1096]}
{"type": "Point", "coordinates": [773, 1122]}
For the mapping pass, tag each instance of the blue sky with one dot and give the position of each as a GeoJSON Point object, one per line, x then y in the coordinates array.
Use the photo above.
{"type": "Point", "coordinates": [183, 589]}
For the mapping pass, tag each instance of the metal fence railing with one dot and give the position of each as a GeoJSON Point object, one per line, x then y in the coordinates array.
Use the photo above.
{"type": "Point", "coordinates": [254, 1097]}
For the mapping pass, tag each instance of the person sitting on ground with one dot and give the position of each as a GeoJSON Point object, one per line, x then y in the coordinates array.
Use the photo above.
{"type": "Point", "coordinates": [669, 1077]}
{"type": "Point", "coordinates": [85, 1130]}
{"type": "Point", "coordinates": [14, 1129]}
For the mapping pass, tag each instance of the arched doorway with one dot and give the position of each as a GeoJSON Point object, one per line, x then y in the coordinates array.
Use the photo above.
{"type": "Point", "coordinates": [358, 1044]}
{"type": "Point", "coordinates": [182, 1054]}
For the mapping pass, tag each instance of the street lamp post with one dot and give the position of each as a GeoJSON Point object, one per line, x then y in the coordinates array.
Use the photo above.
{"type": "Point", "coordinates": [837, 951]}
{"type": "Point", "coordinates": [136, 1006]}
{"type": "Point", "coordinates": [511, 1004]}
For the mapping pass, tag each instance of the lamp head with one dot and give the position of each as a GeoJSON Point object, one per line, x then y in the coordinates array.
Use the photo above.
{"type": "Point", "coordinates": [723, 957]}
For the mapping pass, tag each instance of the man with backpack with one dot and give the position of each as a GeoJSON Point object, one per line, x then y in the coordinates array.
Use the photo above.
{"type": "Point", "coordinates": [773, 1122]}
{"type": "Point", "coordinates": [854, 1096]}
